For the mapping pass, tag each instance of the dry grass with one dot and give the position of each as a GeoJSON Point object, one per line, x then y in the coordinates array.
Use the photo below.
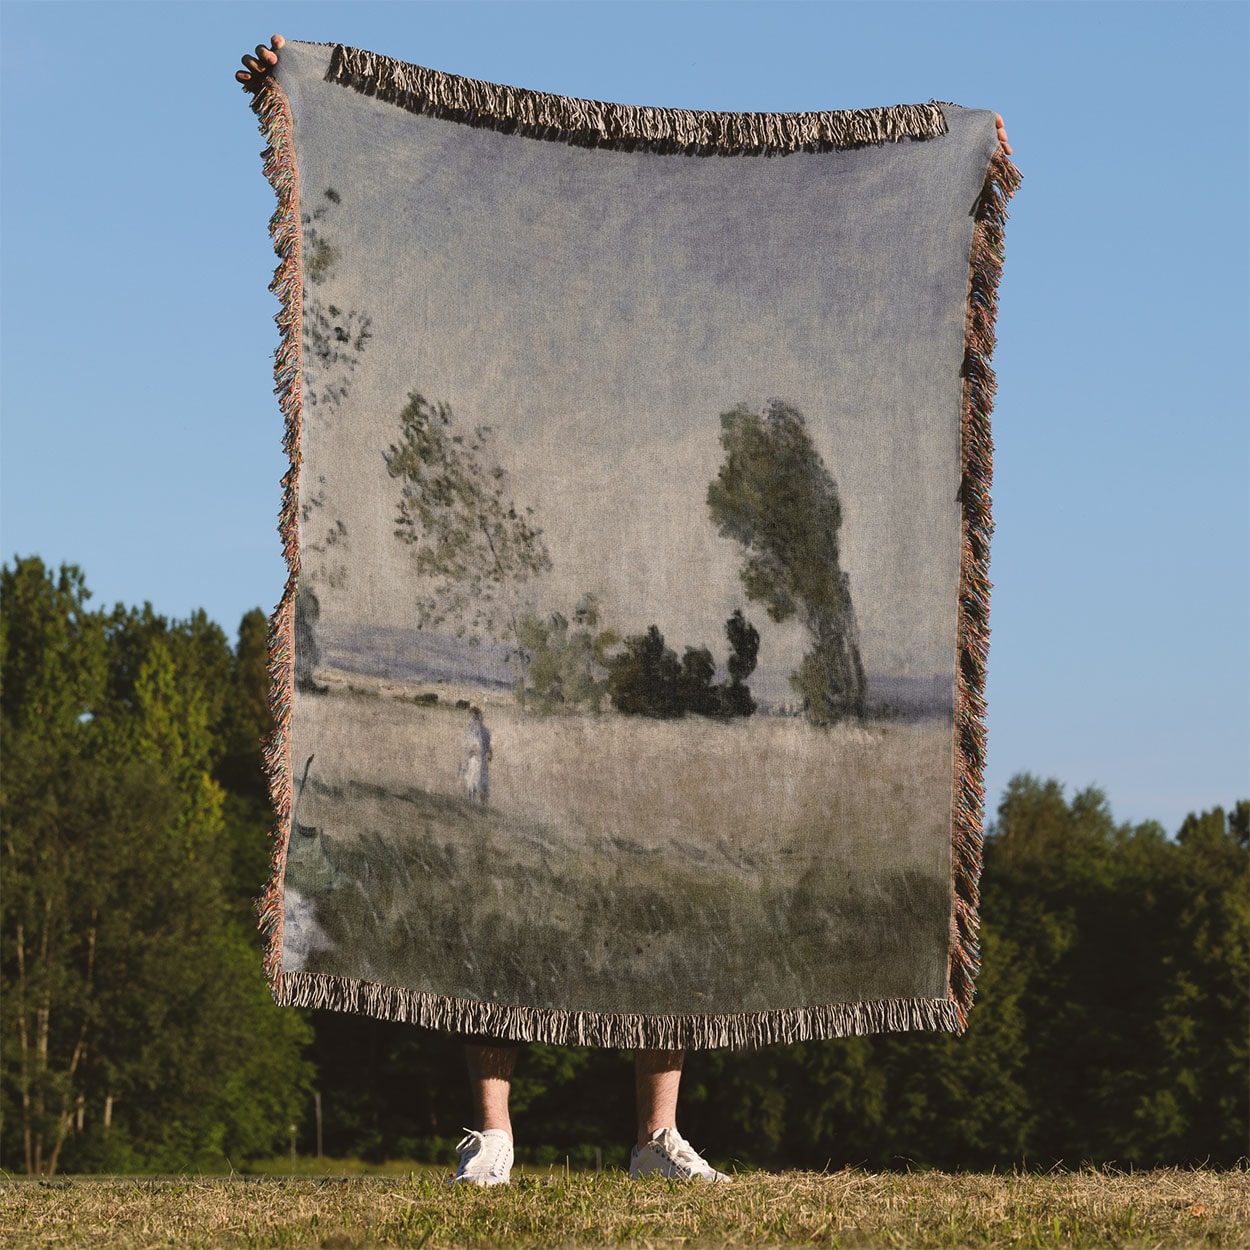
{"type": "Point", "coordinates": [845, 1209]}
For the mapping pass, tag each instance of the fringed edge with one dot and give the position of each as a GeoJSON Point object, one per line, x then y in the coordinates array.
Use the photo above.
{"type": "Point", "coordinates": [624, 127]}
{"type": "Point", "coordinates": [985, 268]}
{"type": "Point", "coordinates": [274, 114]}
{"type": "Point", "coordinates": [591, 1028]}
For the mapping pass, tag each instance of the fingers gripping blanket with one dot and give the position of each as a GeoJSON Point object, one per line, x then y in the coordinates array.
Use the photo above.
{"type": "Point", "coordinates": [628, 677]}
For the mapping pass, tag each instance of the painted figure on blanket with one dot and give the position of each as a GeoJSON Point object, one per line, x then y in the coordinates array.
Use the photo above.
{"type": "Point", "coordinates": [478, 754]}
{"type": "Point", "coordinates": [486, 1151]}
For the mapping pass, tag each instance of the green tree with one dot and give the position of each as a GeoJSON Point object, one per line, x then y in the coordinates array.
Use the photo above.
{"type": "Point", "coordinates": [246, 724]}
{"type": "Point", "coordinates": [744, 648]}
{"type": "Point", "coordinates": [1135, 949]}
{"type": "Point", "coordinates": [774, 495]}
{"type": "Point", "coordinates": [645, 677]}
{"type": "Point", "coordinates": [696, 691]}
{"type": "Point", "coordinates": [1199, 1108]}
{"type": "Point", "coordinates": [473, 546]}
{"type": "Point", "coordinates": [135, 1005]}
{"type": "Point", "coordinates": [568, 662]}
{"type": "Point", "coordinates": [53, 674]}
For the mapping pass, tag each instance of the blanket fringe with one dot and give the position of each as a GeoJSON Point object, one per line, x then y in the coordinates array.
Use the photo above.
{"type": "Point", "coordinates": [274, 114]}
{"type": "Point", "coordinates": [591, 1028]}
{"type": "Point", "coordinates": [986, 264]}
{"type": "Point", "coordinates": [625, 127]}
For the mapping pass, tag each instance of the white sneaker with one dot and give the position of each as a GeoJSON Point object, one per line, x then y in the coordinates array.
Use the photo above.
{"type": "Point", "coordinates": [668, 1153]}
{"type": "Point", "coordinates": [485, 1158]}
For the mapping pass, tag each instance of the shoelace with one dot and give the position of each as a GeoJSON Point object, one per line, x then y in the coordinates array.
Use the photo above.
{"type": "Point", "coordinates": [683, 1153]}
{"type": "Point", "coordinates": [487, 1152]}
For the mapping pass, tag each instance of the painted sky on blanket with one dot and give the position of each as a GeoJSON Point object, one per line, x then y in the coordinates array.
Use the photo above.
{"type": "Point", "coordinates": [140, 439]}
{"type": "Point", "coordinates": [599, 310]}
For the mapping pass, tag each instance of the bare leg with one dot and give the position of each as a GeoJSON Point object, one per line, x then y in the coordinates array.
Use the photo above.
{"type": "Point", "coordinates": [490, 1082]}
{"type": "Point", "coordinates": [657, 1078]}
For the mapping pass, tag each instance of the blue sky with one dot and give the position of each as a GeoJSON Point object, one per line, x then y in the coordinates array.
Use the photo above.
{"type": "Point", "coordinates": [140, 437]}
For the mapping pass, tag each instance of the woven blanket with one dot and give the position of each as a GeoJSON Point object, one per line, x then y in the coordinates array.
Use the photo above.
{"type": "Point", "coordinates": [628, 677]}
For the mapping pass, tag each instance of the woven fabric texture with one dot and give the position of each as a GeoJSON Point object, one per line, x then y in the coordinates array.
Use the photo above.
{"type": "Point", "coordinates": [628, 676]}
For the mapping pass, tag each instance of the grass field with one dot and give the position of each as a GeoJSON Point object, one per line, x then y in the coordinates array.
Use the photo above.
{"type": "Point", "coordinates": [848, 1209]}
{"type": "Point", "coordinates": [624, 864]}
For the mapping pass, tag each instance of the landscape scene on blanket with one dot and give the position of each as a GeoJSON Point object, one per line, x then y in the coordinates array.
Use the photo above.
{"type": "Point", "coordinates": [507, 794]}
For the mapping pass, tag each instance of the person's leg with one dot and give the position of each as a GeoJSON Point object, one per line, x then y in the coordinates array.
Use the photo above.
{"type": "Point", "coordinates": [657, 1079]}
{"type": "Point", "coordinates": [490, 1083]}
{"type": "Point", "coordinates": [486, 1152]}
{"type": "Point", "coordinates": [661, 1149]}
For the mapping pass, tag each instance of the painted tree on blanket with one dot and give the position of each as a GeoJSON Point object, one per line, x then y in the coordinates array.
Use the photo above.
{"type": "Point", "coordinates": [774, 495]}
{"type": "Point", "coordinates": [473, 545]}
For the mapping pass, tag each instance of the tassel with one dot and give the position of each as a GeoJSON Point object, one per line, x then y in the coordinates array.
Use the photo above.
{"type": "Point", "coordinates": [968, 840]}
{"type": "Point", "coordinates": [274, 114]}
{"type": "Point", "coordinates": [629, 1032]}
{"type": "Point", "coordinates": [625, 127]}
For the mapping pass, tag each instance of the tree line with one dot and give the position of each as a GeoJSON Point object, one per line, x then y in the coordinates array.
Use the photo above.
{"type": "Point", "coordinates": [138, 1033]}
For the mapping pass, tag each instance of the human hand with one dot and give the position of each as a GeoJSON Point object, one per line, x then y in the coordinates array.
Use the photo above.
{"type": "Point", "coordinates": [998, 119]}
{"type": "Point", "coordinates": [258, 66]}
